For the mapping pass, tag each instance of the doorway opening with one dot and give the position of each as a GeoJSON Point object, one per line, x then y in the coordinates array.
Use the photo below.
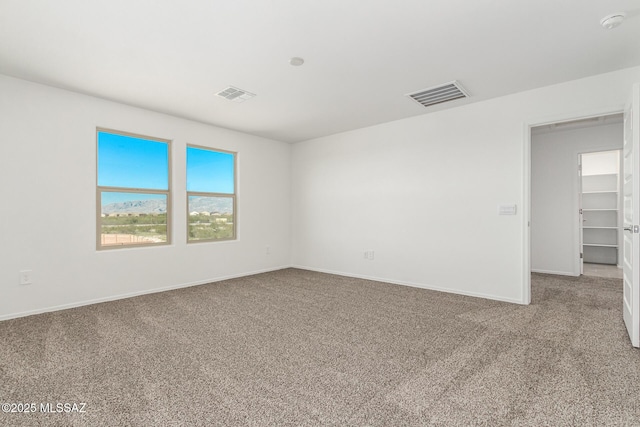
{"type": "Point", "coordinates": [556, 234]}
{"type": "Point", "coordinates": [533, 224]}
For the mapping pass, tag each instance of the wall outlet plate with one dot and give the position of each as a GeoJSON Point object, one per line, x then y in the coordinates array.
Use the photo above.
{"type": "Point", "coordinates": [26, 277]}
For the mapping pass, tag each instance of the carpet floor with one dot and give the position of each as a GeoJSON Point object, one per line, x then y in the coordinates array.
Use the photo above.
{"type": "Point", "coordinates": [294, 347]}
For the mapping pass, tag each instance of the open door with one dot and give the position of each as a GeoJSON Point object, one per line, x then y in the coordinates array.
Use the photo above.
{"type": "Point", "coordinates": [631, 217]}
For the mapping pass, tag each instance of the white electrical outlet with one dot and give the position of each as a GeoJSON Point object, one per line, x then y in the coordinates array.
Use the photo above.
{"type": "Point", "coordinates": [369, 255]}
{"type": "Point", "coordinates": [268, 250]}
{"type": "Point", "coordinates": [26, 277]}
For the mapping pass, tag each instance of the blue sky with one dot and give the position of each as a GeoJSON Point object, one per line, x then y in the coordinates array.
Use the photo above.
{"type": "Point", "coordinates": [209, 171]}
{"type": "Point", "coordinates": [126, 161]}
{"type": "Point", "coordinates": [130, 162]}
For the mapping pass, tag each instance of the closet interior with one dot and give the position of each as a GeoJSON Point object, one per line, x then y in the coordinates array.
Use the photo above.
{"type": "Point", "coordinates": [601, 207]}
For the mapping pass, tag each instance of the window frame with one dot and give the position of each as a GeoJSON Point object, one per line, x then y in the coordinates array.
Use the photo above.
{"type": "Point", "coordinates": [102, 189]}
{"type": "Point", "coordinates": [233, 196]}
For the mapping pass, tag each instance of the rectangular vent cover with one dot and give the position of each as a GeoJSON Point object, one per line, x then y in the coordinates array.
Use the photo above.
{"type": "Point", "coordinates": [234, 94]}
{"type": "Point", "coordinates": [439, 94]}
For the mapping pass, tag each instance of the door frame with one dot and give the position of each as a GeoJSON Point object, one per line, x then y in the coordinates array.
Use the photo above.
{"type": "Point", "coordinates": [526, 182]}
{"type": "Point", "coordinates": [580, 217]}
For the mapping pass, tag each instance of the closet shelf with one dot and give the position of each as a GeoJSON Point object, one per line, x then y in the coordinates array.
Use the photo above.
{"type": "Point", "coordinates": [601, 210]}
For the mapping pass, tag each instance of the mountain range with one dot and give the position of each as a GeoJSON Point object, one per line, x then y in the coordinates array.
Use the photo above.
{"type": "Point", "coordinates": [155, 206]}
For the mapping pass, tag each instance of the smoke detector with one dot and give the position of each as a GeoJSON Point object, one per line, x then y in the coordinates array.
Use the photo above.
{"type": "Point", "coordinates": [612, 21]}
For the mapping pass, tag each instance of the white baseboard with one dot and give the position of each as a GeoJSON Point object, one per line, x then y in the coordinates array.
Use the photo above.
{"type": "Point", "coordinates": [133, 294]}
{"type": "Point", "coordinates": [414, 285]}
{"type": "Point", "coordinates": [557, 273]}
{"type": "Point", "coordinates": [234, 276]}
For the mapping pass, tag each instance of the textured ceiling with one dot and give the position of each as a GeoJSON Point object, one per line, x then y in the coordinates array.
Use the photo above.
{"type": "Point", "coordinates": [362, 57]}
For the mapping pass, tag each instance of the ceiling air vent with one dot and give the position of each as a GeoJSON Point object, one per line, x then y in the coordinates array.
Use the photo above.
{"type": "Point", "coordinates": [439, 94]}
{"type": "Point", "coordinates": [234, 94]}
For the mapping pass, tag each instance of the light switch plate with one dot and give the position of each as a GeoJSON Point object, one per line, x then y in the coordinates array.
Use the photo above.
{"type": "Point", "coordinates": [507, 210]}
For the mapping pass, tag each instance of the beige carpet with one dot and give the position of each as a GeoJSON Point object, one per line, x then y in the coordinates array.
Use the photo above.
{"type": "Point", "coordinates": [300, 348]}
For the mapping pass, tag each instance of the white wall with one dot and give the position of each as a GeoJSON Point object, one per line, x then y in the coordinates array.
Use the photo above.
{"type": "Point", "coordinates": [554, 193]}
{"type": "Point", "coordinates": [423, 192]}
{"type": "Point", "coordinates": [602, 162]}
{"type": "Point", "coordinates": [48, 175]}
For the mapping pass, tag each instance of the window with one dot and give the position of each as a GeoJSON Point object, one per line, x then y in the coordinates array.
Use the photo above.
{"type": "Point", "coordinates": [133, 193]}
{"type": "Point", "coordinates": [211, 194]}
